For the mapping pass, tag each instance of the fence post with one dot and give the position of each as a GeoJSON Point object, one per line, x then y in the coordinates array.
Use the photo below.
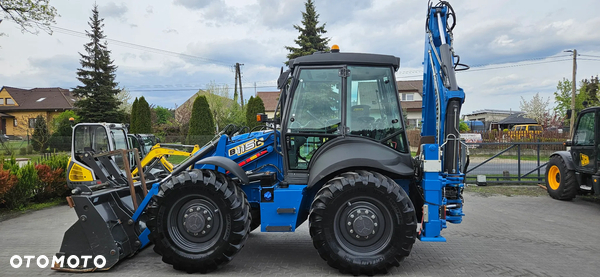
{"type": "Point", "coordinates": [519, 161]}
{"type": "Point", "coordinates": [538, 159]}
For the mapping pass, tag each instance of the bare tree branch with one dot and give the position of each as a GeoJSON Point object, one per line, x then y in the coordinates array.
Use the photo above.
{"type": "Point", "coordinates": [30, 15]}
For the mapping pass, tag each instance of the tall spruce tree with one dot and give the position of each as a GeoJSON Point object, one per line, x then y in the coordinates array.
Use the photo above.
{"type": "Point", "coordinates": [133, 123]}
{"type": "Point", "coordinates": [144, 116]}
{"type": "Point", "coordinates": [97, 96]}
{"type": "Point", "coordinates": [202, 126]}
{"type": "Point", "coordinates": [310, 39]}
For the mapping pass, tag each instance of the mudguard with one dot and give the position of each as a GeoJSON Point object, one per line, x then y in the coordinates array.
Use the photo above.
{"type": "Point", "coordinates": [566, 156]}
{"type": "Point", "coordinates": [227, 164]}
{"type": "Point", "coordinates": [353, 153]}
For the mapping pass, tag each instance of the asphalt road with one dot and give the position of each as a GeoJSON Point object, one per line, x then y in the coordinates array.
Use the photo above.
{"type": "Point", "coordinates": [498, 166]}
{"type": "Point", "coordinates": [500, 236]}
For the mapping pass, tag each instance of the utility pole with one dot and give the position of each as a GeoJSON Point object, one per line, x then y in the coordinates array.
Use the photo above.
{"type": "Point", "coordinates": [236, 82]}
{"type": "Point", "coordinates": [573, 90]}
{"type": "Point", "coordinates": [239, 78]}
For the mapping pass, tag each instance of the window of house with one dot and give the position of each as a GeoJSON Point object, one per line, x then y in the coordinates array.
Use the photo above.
{"type": "Point", "coordinates": [408, 96]}
{"type": "Point", "coordinates": [10, 101]}
{"type": "Point", "coordinates": [1, 101]}
{"type": "Point", "coordinates": [15, 122]}
{"type": "Point", "coordinates": [32, 123]}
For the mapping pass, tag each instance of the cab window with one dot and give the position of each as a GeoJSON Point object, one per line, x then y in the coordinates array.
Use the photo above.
{"type": "Point", "coordinates": [315, 114]}
{"type": "Point", "coordinates": [372, 106]}
{"type": "Point", "coordinates": [90, 138]}
{"type": "Point", "coordinates": [584, 132]}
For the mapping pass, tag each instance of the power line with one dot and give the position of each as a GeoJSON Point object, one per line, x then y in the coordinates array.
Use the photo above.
{"type": "Point", "coordinates": [139, 47]}
{"type": "Point", "coordinates": [189, 89]}
{"type": "Point", "coordinates": [523, 60]}
{"type": "Point", "coordinates": [500, 67]}
{"type": "Point", "coordinates": [187, 56]}
{"type": "Point", "coordinates": [516, 65]}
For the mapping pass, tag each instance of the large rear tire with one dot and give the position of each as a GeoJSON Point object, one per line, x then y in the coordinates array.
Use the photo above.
{"type": "Point", "coordinates": [362, 223]}
{"type": "Point", "coordinates": [199, 220]}
{"type": "Point", "coordinates": [560, 182]}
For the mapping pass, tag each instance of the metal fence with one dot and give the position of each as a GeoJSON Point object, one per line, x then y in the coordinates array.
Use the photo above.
{"type": "Point", "coordinates": [510, 162]}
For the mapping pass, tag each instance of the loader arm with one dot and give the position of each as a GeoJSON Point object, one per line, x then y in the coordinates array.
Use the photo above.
{"type": "Point", "coordinates": [158, 152]}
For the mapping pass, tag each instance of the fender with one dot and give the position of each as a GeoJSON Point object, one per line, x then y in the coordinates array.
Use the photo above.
{"type": "Point", "coordinates": [356, 153]}
{"type": "Point", "coordinates": [227, 164]}
{"type": "Point", "coordinates": [566, 156]}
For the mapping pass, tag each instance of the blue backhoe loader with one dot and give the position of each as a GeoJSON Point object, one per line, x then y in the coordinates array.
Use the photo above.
{"type": "Point", "coordinates": [336, 155]}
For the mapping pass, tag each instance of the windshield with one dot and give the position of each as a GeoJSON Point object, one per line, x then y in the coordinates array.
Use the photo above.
{"type": "Point", "coordinates": [317, 100]}
{"type": "Point", "coordinates": [372, 105]}
{"type": "Point", "coordinates": [119, 138]}
{"type": "Point", "coordinates": [148, 143]}
{"type": "Point", "coordinates": [90, 138]}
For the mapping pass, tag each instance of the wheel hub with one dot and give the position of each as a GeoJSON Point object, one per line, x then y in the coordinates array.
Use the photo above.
{"type": "Point", "coordinates": [197, 220]}
{"type": "Point", "coordinates": [362, 223]}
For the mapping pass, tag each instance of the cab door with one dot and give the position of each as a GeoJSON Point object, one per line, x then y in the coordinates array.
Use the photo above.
{"type": "Point", "coordinates": [584, 141]}
{"type": "Point", "coordinates": [314, 115]}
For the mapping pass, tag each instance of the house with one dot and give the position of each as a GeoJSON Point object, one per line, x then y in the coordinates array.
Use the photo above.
{"type": "Point", "coordinates": [270, 99]}
{"type": "Point", "coordinates": [20, 107]}
{"type": "Point", "coordinates": [490, 118]}
{"type": "Point", "coordinates": [411, 100]}
{"type": "Point", "coordinates": [183, 113]}
{"type": "Point", "coordinates": [515, 119]}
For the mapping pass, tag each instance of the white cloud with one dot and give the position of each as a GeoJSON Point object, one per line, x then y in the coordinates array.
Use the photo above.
{"type": "Point", "coordinates": [195, 4]}
{"type": "Point", "coordinates": [220, 33]}
{"type": "Point", "coordinates": [111, 9]}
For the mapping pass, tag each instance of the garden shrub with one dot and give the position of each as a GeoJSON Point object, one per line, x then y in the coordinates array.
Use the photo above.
{"type": "Point", "coordinates": [42, 181]}
{"type": "Point", "coordinates": [7, 181]}
{"type": "Point", "coordinates": [20, 194]}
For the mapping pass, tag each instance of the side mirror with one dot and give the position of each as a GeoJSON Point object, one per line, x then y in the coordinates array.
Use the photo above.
{"type": "Point", "coordinates": [568, 115]}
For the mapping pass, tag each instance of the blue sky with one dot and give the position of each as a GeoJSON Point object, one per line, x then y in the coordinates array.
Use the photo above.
{"type": "Point", "coordinates": [167, 50]}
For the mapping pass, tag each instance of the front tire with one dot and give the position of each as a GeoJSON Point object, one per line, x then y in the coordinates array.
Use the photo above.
{"type": "Point", "coordinates": [362, 223]}
{"type": "Point", "coordinates": [199, 220]}
{"type": "Point", "coordinates": [560, 182]}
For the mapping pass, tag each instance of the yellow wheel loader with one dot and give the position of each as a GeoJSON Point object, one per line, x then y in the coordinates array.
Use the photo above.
{"type": "Point", "coordinates": [89, 166]}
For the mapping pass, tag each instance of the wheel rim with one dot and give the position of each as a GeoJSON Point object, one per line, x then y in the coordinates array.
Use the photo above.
{"type": "Point", "coordinates": [194, 223]}
{"type": "Point", "coordinates": [363, 226]}
{"type": "Point", "coordinates": [554, 177]}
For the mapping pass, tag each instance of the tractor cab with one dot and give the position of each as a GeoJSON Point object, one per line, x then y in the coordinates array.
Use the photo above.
{"type": "Point", "coordinates": [584, 145]}
{"type": "Point", "coordinates": [143, 142]}
{"type": "Point", "coordinates": [98, 138]}
{"type": "Point", "coordinates": [90, 139]}
{"type": "Point", "coordinates": [338, 96]}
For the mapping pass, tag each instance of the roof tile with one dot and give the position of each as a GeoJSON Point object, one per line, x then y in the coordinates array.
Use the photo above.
{"type": "Point", "coordinates": [40, 99]}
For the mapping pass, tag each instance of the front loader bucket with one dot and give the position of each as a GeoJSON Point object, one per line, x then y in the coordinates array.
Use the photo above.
{"type": "Point", "coordinates": [104, 233]}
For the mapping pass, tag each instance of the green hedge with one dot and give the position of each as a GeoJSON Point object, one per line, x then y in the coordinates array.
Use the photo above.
{"type": "Point", "coordinates": [37, 181]}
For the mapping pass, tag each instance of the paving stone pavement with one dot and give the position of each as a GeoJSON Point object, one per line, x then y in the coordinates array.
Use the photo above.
{"type": "Point", "coordinates": [500, 236]}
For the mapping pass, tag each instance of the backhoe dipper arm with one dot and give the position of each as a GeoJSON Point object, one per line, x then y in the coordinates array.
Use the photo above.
{"type": "Point", "coordinates": [442, 180]}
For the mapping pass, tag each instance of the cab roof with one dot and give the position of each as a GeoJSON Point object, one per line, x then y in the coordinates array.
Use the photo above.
{"type": "Point", "coordinates": [328, 58]}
